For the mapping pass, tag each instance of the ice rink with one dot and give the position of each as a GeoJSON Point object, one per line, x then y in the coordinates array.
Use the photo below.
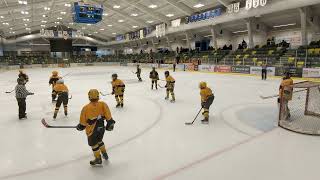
{"type": "Point", "coordinates": [150, 139]}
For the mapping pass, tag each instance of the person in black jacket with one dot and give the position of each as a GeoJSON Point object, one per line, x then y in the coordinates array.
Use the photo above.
{"type": "Point", "coordinates": [21, 95]}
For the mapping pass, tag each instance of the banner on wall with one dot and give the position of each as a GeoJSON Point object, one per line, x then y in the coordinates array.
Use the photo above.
{"type": "Point", "coordinates": [233, 8]}
{"type": "Point", "coordinates": [206, 68]}
{"type": "Point", "coordinates": [295, 72]}
{"type": "Point", "coordinates": [176, 22]}
{"type": "Point", "coordinates": [222, 68]}
{"type": "Point", "coordinates": [189, 66]}
{"type": "Point", "coordinates": [240, 69]}
{"type": "Point", "coordinates": [180, 67]}
{"type": "Point", "coordinates": [311, 72]}
{"type": "Point", "coordinates": [271, 71]}
{"type": "Point", "coordinates": [161, 30]}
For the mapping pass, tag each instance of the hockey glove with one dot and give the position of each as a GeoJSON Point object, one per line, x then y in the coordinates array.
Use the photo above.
{"type": "Point", "coordinates": [110, 125]}
{"type": "Point", "coordinates": [203, 104]}
{"type": "Point", "coordinates": [80, 127]}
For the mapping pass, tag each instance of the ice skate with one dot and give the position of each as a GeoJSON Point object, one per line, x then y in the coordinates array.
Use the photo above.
{"type": "Point", "coordinates": [121, 105]}
{"type": "Point", "coordinates": [97, 161]}
{"type": "Point", "coordinates": [205, 121]}
{"type": "Point", "coordinates": [118, 105]}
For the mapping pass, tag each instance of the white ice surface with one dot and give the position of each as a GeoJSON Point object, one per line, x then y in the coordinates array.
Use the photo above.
{"type": "Point", "coordinates": [150, 139]}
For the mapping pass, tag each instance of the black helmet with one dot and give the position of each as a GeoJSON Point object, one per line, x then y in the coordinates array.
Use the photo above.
{"type": "Point", "coordinates": [166, 73]}
{"type": "Point", "coordinates": [114, 75]}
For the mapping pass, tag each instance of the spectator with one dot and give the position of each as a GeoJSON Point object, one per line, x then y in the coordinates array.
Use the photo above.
{"type": "Point", "coordinates": [244, 44]}
{"type": "Point", "coordinates": [230, 47]}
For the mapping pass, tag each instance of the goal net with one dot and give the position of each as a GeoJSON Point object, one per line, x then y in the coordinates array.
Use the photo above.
{"type": "Point", "coordinates": [301, 112]}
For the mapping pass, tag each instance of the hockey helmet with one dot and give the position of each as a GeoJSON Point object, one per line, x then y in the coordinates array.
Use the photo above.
{"type": "Point", "coordinates": [55, 73]}
{"type": "Point", "coordinates": [21, 71]}
{"type": "Point", "coordinates": [114, 76]}
{"type": "Point", "coordinates": [202, 85]}
{"type": "Point", "coordinates": [167, 73]}
{"type": "Point", "coordinates": [93, 94]}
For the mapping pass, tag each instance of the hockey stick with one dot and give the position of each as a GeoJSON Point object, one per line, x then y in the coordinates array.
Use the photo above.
{"type": "Point", "coordinates": [190, 123]}
{"type": "Point", "coordinates": [273, 96]}
{"type": "Point", "coordinates": [105, 94]}
{"type": "Point", "coordinates": [45, 124]}
{"type": "Point", "coordinates": [8, 92]}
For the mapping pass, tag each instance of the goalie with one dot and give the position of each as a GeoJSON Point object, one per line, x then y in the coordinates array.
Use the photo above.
{"type": "Point", "coordinates": [92, 120]}
{"type": "Point", "coordinates": [285, 95]}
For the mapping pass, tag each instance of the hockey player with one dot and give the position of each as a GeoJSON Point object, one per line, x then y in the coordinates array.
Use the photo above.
{"type": "Point", "coordinates": [21, 95]}
{"type": "Point", "coordinates": [207, 98]}
{"type": "Point", "coordinates": [285, 94]}
{"type": "Point", "coordinates": [61, 90]}
{"type": "Point", "coordinates": [24, 76]}
{"type": "Point", "coordinates": [139, 73]}
{"type": "Point", "coordinates": [170, 86]}
{"type": "Point", "coordinates": [154, 76]}
{"type": "Point", "coordinates": [53, 80]}
{"type": "Point", "coordinates": [118, 88]}
{"type": "Point", "coordinates": [92, 120]}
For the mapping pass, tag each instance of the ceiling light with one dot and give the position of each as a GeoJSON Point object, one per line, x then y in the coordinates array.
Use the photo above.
{"type": "Point", "coordinates": [105, 14]}
{"type": "Point", "coordinates": [10, 28]}
{"type": "Point", "coordinates": [68, 27]}
{"type": "Point", "coordinates": [23, 2]}
{"type": "Point", "coordinates": [152, 6]}
{"type": "Point", "coordinates": [101, 29]}
{"type": "Point", "coordinates": [83, 28]}
{"type": "Point", "coordinates": [89, 24]}
{"type": "Point", "coordinates": [116, 6]}
{"type": "Point", "coordinates": [46, 8]}
{"type": "Point", "coordinates": [5, 23]}
{"type": "Point", "coordinates": [28, 29]}
{"type": "Point", "coordinates": [109, 25]}
{"type": "Point", "coordinates": [149, 22]}
{"type": "Point", "coordinates": [25, 24]}
{"type": "Point", "coordinates": [134, 26]}
{"type": "Point", "coordinates": [284, 25]}
{"type": "Point", "coordinates": [26, 19]}
{"type": "Point", "coordinates": [96, 32]}
{"type": "Point", "coordinates": [24, 12]}
{"type": "Point", "coordinates": [198, 5]}
{"type": "Point", "coordinates": [13, 32]}
{"type": "Point", "coordinates": [89, 34]}
{"type": "Point", "coordinates": [44, 15]}
{"type": "Point", "coordinates": [67, 5]}
{"type": "Point", "coordinates": [59, 18]}
{"type": "Point", "coordinates": [170, 15]}
{"type": "Point", "coordinates": [240, 31]}
{"type": "Point", "coordinates": [62, 12]}
{"type": "Point", "coordinates": [42, 25]}
{"type": "Point", "coordinates": [120, 20]}
{"type": "Point", "coordinates": [134, 14]}
{"type": "Point", "coordinates": [114, 33]}
{"type": "Point", "coordinates": [71, 23]}
{"type": "Point", "coordinates": [1, 17]}
{"type": "Point", "coordinates": [44, 21]}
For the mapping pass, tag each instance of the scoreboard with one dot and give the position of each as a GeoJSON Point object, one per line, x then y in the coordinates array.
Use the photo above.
{"type": "Point", "coordinates": [87, 13]}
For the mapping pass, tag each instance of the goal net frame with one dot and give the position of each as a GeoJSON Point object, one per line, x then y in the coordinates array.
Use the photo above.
{"type": "Point", "coordinates": [301, 112]}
